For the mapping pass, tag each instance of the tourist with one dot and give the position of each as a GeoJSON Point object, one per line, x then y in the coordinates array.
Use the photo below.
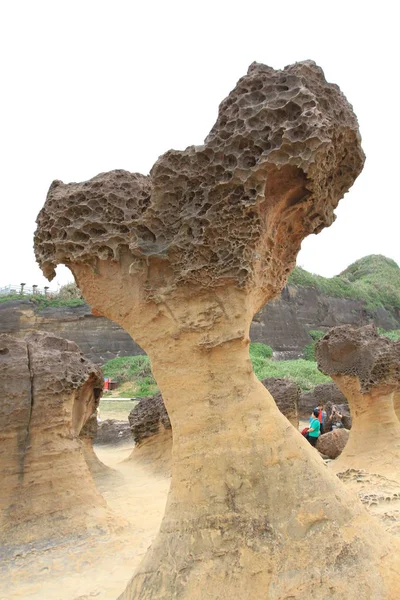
{"type": "Point", "coordinates": [336, 418]}
{"type": "Point", "coordinates": [322, 417]}
{"type": "Point", "coordinates": [314, 430]}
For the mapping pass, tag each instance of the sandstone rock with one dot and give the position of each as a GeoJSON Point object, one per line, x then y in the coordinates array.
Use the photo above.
{"type": "Point", "coordinates": [331, 444]}
{"type": "Point", "coordinates": [327, 393]}
{"type": "Point", "coordinates": [47, 391]}
{"type": "Point", "coordinates": [183, 259]}
{"type": "Point", "coordinates": [148, 417]}
{"type": "Point", "coordinates": [366, 367]}
{"type": "Point", "coordinates": [113, 432]}
{"type": "Point", "coordinates": [98, 469]}
{"type": "Point", "coordinates": [151, 429]}
{"type": "Point", "coordinates": [396, 403]}
{"type": "Point", "coordinates": [286, 394]}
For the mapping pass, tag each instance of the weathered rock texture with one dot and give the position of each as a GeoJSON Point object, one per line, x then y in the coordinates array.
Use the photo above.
{"type": "Point", "coordinates": [113, 432]}
{"type": "Point", "coordinates": [286, 394]}
{"type": "Point", "coordinates": [366, 367]}
{"type": "Point", "coordinates": [396, 402]}
{"type": "Point", "coordinates": [148, 417]}
{"type": "Point", "coordinates": [323, 392]}
{"type": "Point", "coordinates": [47, 392]}
{"type": "Point", "coordinates": [151, 429]}
{"type": "Point", "coordinates": [331, 444]}
{"type": "Point", "coordinates": [183, 259]}
{"type": "Point", "coordinates": [97, 468]}
{"type": "Point", "coordinates": [283, 324]}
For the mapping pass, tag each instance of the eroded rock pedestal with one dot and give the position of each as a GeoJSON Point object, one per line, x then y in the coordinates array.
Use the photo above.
{"type": "Point", "coordinates": [366, 367]}
{"type": "Point", "coordinates": [47, 392]}
{"type": "Point", "coordinates": [183, 259]}
{"type": "Point", "coordinates": [152, 433]}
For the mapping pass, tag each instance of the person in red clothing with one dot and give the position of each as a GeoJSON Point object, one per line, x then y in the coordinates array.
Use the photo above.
{"type": "Point", "coordinates": [321, 417]}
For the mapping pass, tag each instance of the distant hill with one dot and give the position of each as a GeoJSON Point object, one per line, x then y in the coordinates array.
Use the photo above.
{"type": "Point", "coordinates": [374, 279]}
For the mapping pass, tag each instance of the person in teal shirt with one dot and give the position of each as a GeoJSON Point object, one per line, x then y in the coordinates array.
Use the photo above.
{"type": "Point", "coordinates": [314, 430]}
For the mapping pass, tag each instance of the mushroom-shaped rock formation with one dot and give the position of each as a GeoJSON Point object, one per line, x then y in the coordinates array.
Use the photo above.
{"type": "Point", "coordinates": [322, 393]}
{"type": "Point", "coordinates": [286, 394]}
{"type": "Point", "coordinates": [47, 391]}
{"type": "Point", "coordinates": [366, 367]}
{"type": "Point", "coordinates": [183, 259]}
{"type": "Point", "coordinates": [151, 429]}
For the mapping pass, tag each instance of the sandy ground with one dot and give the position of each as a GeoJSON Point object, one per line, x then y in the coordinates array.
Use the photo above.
{"type": "Point", "coordinates": [99, 567]}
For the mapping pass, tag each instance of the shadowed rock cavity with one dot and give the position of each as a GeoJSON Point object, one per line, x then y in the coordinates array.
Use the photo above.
{"type": "Point", "coordinates": [182, 259]}
{"type": "Point", "coordinates": [47, 392]}
{"type": "Point", "coordinates": [286, 394]}
{"type": "Point", "coordinates": [366, 367]}
{"type": "Point", "coordinates": [98, 469]}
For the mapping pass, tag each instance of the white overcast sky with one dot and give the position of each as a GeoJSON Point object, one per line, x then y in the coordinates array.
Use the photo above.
{"type": "Point", "coordinates": [89, 86]}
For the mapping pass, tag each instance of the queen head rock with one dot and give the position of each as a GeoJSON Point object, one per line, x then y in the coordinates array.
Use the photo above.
{"type": "Point", "coordinates": [182, 259]}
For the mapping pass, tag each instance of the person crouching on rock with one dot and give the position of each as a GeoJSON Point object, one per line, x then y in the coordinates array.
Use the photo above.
{"type": "Point", "coordinates": [314, 430]}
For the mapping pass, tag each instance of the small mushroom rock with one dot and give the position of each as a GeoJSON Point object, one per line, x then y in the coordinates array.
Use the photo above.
{"type": "Point", "coordinates": [47, 391]}
{"type": "Point", "coordinates": [151, 429]}
{"type": "Point", "coordinates": [366, 367]}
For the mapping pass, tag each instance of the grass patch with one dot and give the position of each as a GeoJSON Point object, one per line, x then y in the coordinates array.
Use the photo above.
{"type": "Point", "coordinates": [44, 301]}
{"type": "Point", "coordinates": [115, 409]}
{"type": "Point", "coordinates": [135, 373]}
{"type": "Point", "coordinates": [309, 351]}
{"type": "Point", "coordinates": [374, 279]}
{"type": "Point", "coordinates": [304, 372]}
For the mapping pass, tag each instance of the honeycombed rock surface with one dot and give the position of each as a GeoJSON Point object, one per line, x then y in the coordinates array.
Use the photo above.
{"type": "Point", "coordinates": [151, 430]}
{"type": "Point", "coordinates": [183, 259]}
{"type": "Point", "coordinates": [366, 367]}
{"type": "Point", "coordinates": [286, 394]}
{"type": "Point", "coordinates": [47, 392]}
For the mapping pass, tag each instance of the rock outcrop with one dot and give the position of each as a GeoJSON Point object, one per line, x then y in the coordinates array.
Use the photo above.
{"type": "Point", "coordinates": [366, 367]}
{"type": "Point", "coordinates": [47, 392]}
{"type": "Point", "coordinates": [286, 394]}
{"type": "Point", "coordinates": [322, 393]}
{"type": "Point", "coordinates": [97, 468]}
{"type": "Point", "coordinates": [331, 444]}
{"type": "Point", "coordinates": [283, 324]}
{"type": "Point", "coordinates": [151, 430]}
{"type": "Point", "coordinates": [183, 259]}
{"type": "Point", "coordinates": [112, 432]}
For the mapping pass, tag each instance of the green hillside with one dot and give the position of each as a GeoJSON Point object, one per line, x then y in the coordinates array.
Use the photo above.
{"type": "Point", "coordinates": [374, 279]}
